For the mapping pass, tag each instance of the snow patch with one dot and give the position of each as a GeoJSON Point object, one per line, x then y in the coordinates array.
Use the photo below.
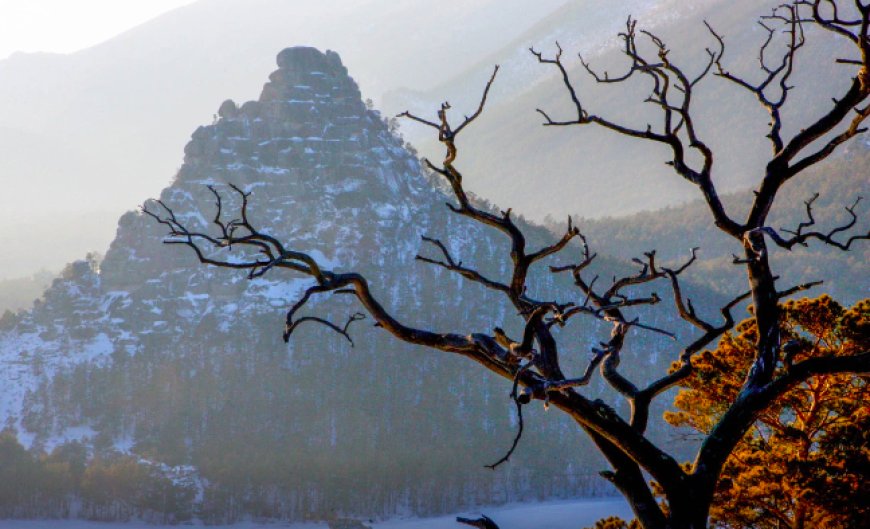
{"type": "Point", "coordinates": [99, 349]}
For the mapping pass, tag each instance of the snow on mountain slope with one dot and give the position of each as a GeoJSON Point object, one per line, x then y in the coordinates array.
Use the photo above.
{"type": "Point", "coordinates": [153, 353]}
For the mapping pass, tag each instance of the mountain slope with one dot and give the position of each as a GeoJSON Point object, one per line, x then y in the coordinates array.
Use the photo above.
{"type": "Point", "coordinates": [511, 158]}
{"type": "Point", "coordinates": [150, 353]}
{"type": "Point", "coordinates": [839, 183]}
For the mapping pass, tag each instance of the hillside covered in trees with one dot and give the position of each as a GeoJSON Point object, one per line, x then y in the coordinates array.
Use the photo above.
{"type": "Point", "coordinates": [141, 364]}
{"type": "Point", "coordinates": [839, 183]}
{"type": "Point", "coordinates": [149, 359]}
{"type": "Point", "coordinates": [145, 385]}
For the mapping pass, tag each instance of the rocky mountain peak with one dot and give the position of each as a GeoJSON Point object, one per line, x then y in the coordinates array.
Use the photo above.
{"type": "Point", "coordinates": [302, 67]}
{"type": "Point", "coordinates": [184, 363]}
{"type": "Point", "coordinates": [309, 123]}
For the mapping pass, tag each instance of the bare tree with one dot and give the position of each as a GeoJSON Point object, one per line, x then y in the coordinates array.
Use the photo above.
{"type": "Point", "coordinates": [532, 361]}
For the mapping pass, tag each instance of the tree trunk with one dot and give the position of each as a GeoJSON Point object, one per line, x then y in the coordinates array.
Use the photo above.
{"type": "Point", "coordinates": [766, 308]}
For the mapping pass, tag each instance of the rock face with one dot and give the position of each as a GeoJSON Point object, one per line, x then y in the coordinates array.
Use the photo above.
{"type": "Point", "coordinates": [152, 353]}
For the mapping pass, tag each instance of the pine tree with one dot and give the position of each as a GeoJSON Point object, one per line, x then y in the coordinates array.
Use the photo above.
{"type": "Point", "coordinates": [804, 462]}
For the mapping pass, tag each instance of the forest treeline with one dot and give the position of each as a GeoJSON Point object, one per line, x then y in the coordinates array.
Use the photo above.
{"type": "Point", "coordinates": [267, 440]}
{"type": "Point", "coordinates": [71, 481]}
{"type": "Point", "coordinates": [839, 184]}
{"type": "Point", "coordinates": [196, 373]}
{"type": "Point", "coordinates": [68, 483]}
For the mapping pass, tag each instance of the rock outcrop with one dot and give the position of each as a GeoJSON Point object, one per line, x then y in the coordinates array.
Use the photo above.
{"type": "Point", "coordinates": [153, 353]}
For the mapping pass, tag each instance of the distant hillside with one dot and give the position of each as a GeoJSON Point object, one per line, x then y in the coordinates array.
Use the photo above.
{"type": "Point", "coordinates": [589, 27]}
{"type": "Point", "coordinates": [510, 158]}
{"type": "Point", "coordinates": [676, 229]}
{"type": "Point", "coordinates": [20, 293]}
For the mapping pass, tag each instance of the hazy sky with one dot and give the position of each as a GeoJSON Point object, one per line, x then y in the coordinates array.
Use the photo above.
{"type": "Point", "coordinates": [65, 26]}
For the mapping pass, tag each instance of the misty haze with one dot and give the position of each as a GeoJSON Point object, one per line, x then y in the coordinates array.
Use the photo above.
{"type": "Point", "coordinates": [397, 265]}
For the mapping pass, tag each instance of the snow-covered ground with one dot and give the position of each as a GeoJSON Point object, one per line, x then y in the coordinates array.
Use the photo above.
{"type": "Point", "coordinates": [565, 514]}
{"type": "Point", "coordinates": [568, 514]}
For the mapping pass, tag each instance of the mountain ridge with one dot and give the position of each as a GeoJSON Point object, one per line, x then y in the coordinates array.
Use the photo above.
{"type": "Point", "coordinates": [148, 354]}
{"type": "Point", "coordinates": [124, 110]}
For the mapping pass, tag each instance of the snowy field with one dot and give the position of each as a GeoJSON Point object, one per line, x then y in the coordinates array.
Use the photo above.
{"type": "Point", "coordinates": [567, 514]}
